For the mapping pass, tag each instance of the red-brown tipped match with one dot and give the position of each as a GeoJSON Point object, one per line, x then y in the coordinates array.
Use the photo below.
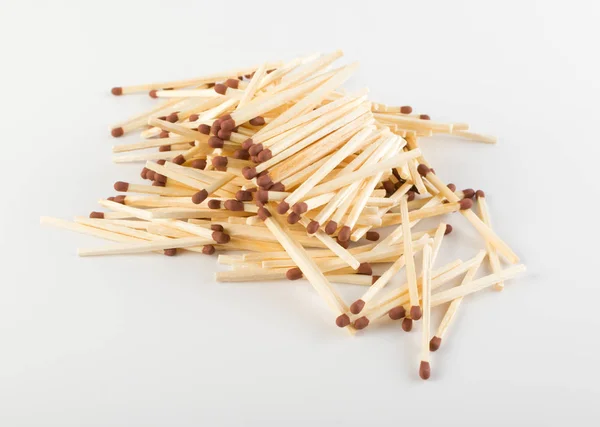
{"type": "Point", "coordinates": [208, 249]}
{"type": "Point", "coordinates": [406, 109]}
{"type": "Point", "coordinates": [423, 169]}
{"type": "Point", "coordinates": [424, 117]}
{"type": "Point", "coordinates": [117, 132]}
{"type": "Point", "coordinates": [150, 175]}
{"type": "Point", "coordinates": [220, 88]}
{"type": "Point", "coordinates": [448, 229]}
{"type": "Point", "coordinates": [112, 199]}
{"type": "Point", "coordinates": [144, 173]}
{"type": "Point", "coordinates": [293, 273]}
{"type": "Point", "coordinates": [224, 134]}
{"type": "Point", "coordinates": [194, 117]}
{"type": "Point", "coordinates": [119, 199]}
{"type": "Point", "coordinates": [264, 181]}
{"type": "Point", "coordinates": [263, 213]}
{"type": "Point", "coordinates": [199, 197]}
{"type": "Point", "coordinates": [215, 128]}
{"type": "Point", "coordinates": [228, 125]}
{"type": "Point", "coordinates": [397, 313]}
{"type": "Point", "coordinates": [255, 149]}
{"type": "Point", "coordinates": [331, 227]}
{"type": "Point", "coordinates": [374, 279]}
{"type": "Point", "coordinates": [220, 161]}
{"type": "Point", "coordinates": [121, 186]}
{"type": "Point", "coordinates": [241, 154]}
{"type": "Point", "coordinates": [243, 196]}
{"type": "Point", "coordinates": [249, 172]}
{"type": "Point", "coordinates": [234, 205]}
{"type": "Point", "coordinates": [265, 155]}
{"type": "Point", "coordinates": [160, 178]}
{"type": "Point", "coordinates": [480, 193]}
{"type": "Point", "coordinates": [452, 187]}
{"type": "Point", "coordinates": [204, 129]}
{"type": "Point", "coordinates": [361, 323]}
{"type": "Point", "coordinates": [468, 193]}
{"type": "Point", "coordinates": [232, 83]}
{"type": "Point", "coordinates": [158, 184]}
{"type": "Point", "coordinates": [293, 218]}
{"type": "Point", "coordinates": [283, 207]}
{"type": "Point", "coordinates": [416, 312]}
{"type": "Point", "coordinates": [216, 227]}
{"type": "Point", "coordinates": [425, 370]}
{"type": "Point", "coordinates": [179, 160]}
{"type": "Point", "coordinates": [254, 159]}
{"type": "Point", "coordinates": [152, 93]}
{"type": "Point", "coordinates": [278, 186]}
{"type": "Point", "coordinates": [164, 148]}
{"type": "Point", "coordinates": [342, 244]}
{"type": "Point", "coordinates": [172, 118]}
{"type": "Point", "coordinates": [220, 237]}
{"type": "Point", "coordinates": [214, 204]}
{"type": "Point", "coordinates": [257, 121]}
{"type": "Point", "coordinates": [357, 306]}
{"type": "Point", "coordinates": [435, 343]}
{"type": "Point", "coordinates": [410, 196]}
{"type": "Point", "coordinates": [170, 252]}
{"type": "Point", "coordinates": [247, 144]}
{"type": "Point", "coordinates": [342, 320]}
{"type": "Point", "coordinates": [97, 215]}
{"type": "Point", "coordinates": [312, 227]}
{"type": "Point", "coordinates": [163, 134]}
{"type": "Point", "coordinates": [465, 204]}
{"type": "Point", "coordinates": [389, 186]}
{"type": "Point", "coordinates": [117, 91]}
{"type": "Point", "coordinates": [262, 196]}
{"type": "Point", "coordinates": [365, 268]}
{"type": "Point", "coordinates": [198, 164]}
{"type": "Point", "coordinates": [407, 324]}
{"type": "Point", "coordinates": [215, 142]}
{"type": "Point", "coordinates": [300, 208]}
{"type": "Point", "coordinates": [344, 234]}
{"type": "Point", "coordinates": [225, 117]}
{"type": "Point", "coordinates": [373, 236]}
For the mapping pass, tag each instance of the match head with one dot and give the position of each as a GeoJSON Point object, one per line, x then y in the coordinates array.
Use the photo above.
{"type": "Point", "coordinates": [224, 117]}
{"type": "Point", "coordinates": [452, 187]}
{"type": "Point", "coordinates": [465, 204]}
{"type": "Point", "coordinates": [97, 215]}
{"type": "Point", "coordinates": [204, 129]}
{"type": "Point", "coordinates": [374, 279]}
{"type": "Point", "coordinates": [144, 173]}
{"type": "Point", "coordinates": [389, 186]}
{"type": "Point", "coordinates": [199, 197]}
{"type": "Point", "coordinates": [243, 196]}
{"type": "Point", "coordinates": [150, 175]}
{"type": "Point", "coordinates": [179, 160]}
{"type": "Point", "coordinates": [435, 343]}
{"type": "Point", "coordinates": [224, 134]}
{"type": "Point", "coordinates": [410, 196]}
{"type": "Point", "coordinates": [241, 154]}
{"type": "Point", "coordinates": [407, 324]}
{"type": "Point", "coordinates": [357, 306]}
{"type": "Point", "coordinates": [249, 172]}
{"type": "Point", "coordinates": [425, 370]}
{"type": "Point", "coordinates": [342, 320]}
{"type": "Point", "coordinates": [263, 213]}
{"type": "Point", "coordinates": [172, 118]}
{"type": "Point", "coordinates": [373, 236]}
{"type": "Point", "coordinates": [117, 132]}
{"type": "Point", "coordinates": [480, 193]}
{"type": "Point", "coordinates": [117, 91]}
{"type": "Point", "coordinates": [234, 205]}
{"type": "Point", "coordinates": [219, 161]}
{"type": "Point", "coordinates": [293, 218]}
{"type": "Point", "coordinates": [264, 181]}
{"type": "Point", "coordinates": [152, 93]}
{"type": "Point", "coordinates": [342, 244]}
{"type": "Point", "coordinates": [220, 88]}
{"type": "Point", "coordinates": [468, 193]}
{"type": "Point", "coordinates": [215, 142]}
{"type": "Point", "coordinates": [164, 148]}
{"type": "Point", "coordinates": [208, 249]}
{"type": "Point", "coordinates": [220, 237]}
{"type": "Point", "coordinates": [255, 149]}
{"type": "Point", "coordinates": [300, 208]}
{"type": "Point", "coordinates": [170, 252]}
{"type": "Point", "coordinates": [448, 229]}
{"type": "Point", "coordinates": [416, 312]}
{"type": "Point", "coordinates": [283, 207]}
{"type": "Point", "coordinates": [424, 117]}
{"type": "Point", "coordinates": [119, 199]}
{"type": "Point", "coordinates": [247, 144]}
{"type": "Point", "coordinates": [423, 169]}
{"type": "Point", "coordinates": [214, 204]}
{"type": "Point", "coordinates": [160, 178]}
{"type": "Point", "coordinates": [278, 186]}
{"type": "Point", "coordinates": [344, 234]}
{"type": "Point", "coordinates": [163, 134]}
{"type": "Point", "coordinates": [312, 227]}
{"type": "Point", "coordinates": [198, 164]}
{"type": "Point", "coordinates": [158, 184]}
{"type": "Point", "coordinates": [361, 323]}
{"type": "Point", "coordinates": [194, 117]}
{"type": "Point", "coordinates": [121, 186]}
{"type": "Point", "coordinates": [262, 195]}
{"type": "Point", "coordinates": [265, 155]}
{"type": "Point", "coordinates": [216, 227]}
{"type": "Point", "coordinates": [215, 128]}
{"type": "Point", "coordinates": [228, 125]}
{"type": "Point", "coordinates": [397, 313]}
{"type": "Point", "coordinates": [364, 268]}
{"type": "Point", "coordinates": [406, 109]}
{"type": "Point", "coordinates": [257, 121]}
{"type": "Point", "coordinates": [293, 273]}
{"type": "Point", "coordinates": [232, 83]}
{"type": "Point", "coordinates": [331, 227]}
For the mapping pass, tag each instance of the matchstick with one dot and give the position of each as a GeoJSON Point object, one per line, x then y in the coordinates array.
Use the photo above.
{"type": "Point", "coordinates": [492, 254]}
{"type": "Point", "coordinates": [425, 367]}
{"type": "Point", "coordinates": [411, 275]}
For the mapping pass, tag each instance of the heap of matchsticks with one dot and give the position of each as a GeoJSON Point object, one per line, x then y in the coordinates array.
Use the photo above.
{"type": "Point", "coordinates": [292, 173]}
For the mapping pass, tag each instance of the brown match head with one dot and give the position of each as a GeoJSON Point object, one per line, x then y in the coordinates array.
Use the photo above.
{"type": "Point", "coordinates": [374, 279]}
{"type": "Point", "coordinates": [255, 149]}
{"type": "Point", "coordinates": [448, 229]}
{"type": "Point", "coordinates": [158, 184]}
{"type": "Point", "coordinates": [117, 132]}
{"type": "Point", "coordinates": [163, 118]}
{"type": "Point", "coordinates": [283, 207]}
{"type": "Point", "coordinates": [163, 134]}
{"type": "Point", "coordinates": [249, 172]}
{"type": "Point", "coordinates": [119, 199]}
{"type": "Point", "coordinates": [219, 161]}
{"type": "Point", "coordinates": [243, 196]}
{"type": "Point", "coordinates": [300, 208]}
{"type": "Point", "coordinates": [152, 93]}
{"type": "Point", "coordinates": [234, 205]}
{"type": "Point", "coordinates": [416, 312]}
{"type": "Point", "coordinates": [435, 343]}
{"type": "Point", "coordinates": [247, 144]}
{"type": "Point", "coordinates": [365, 269]}
{"type": "Point", "coordinates": [344, 234]}
{"type": "Point", "coordinates": [194, 117]}
{"type": "Point", "coordinates": [410, 196]}
{"type": "Point", "coordinates": [264, 181]}
{"type": "Point", "coordinates": [357, 306]}
{"type": "Point", "coordinates": [361, 323]}
{"type": "Point", "coordinates": [204, 129]}
{"type": "Point", "coordinates": [225, 117]}
{"type": "Point", "coordinates": [277, 186]}
{"type": "Point", "coordinates": [241, 154]}
{"type": "Point", "coordinates": [293, 218]}
{"type": "Point", "coordinates": [117, 91]}
{"type": "Point", "coordinates": [468, 193]}
{"type": "Point", "coordinates": [216, 227]}
{"type": "Point", "coordinates": [198, 164]}
{"type": "Point", "coordinates": [423, 169]}
{"type": "Point", "coordinates": [220, 237]}
{"type": "Point", "coordinates": [97, 215]}
{"type": "Point", "coordinates": [293, 274]}
{"type": "Point", "coordinates": [224, 134]}
{"type": "Point", "coordinates": [262, 195]}
{"type": "Point", "coordinates": [172, 118]}
{"type": "Point", "coordinates": [228, 125]}
{"type": "Point", "coordinates": [452, 187]}
{"type": "Point", "coordinates": [112, 199]}
{"type": "Point", "coordinates": [121, 186]}
{"type": "Point", "coordinates": [406, 109]}
{"type": "Point", "coordinates": [397, 313]}
{"type": "Point", "coordinates": [208, 249]}
{"type": "Point", "coordinates": [331, 227]}
{"type": "Point", "coordinates": [480, 193]}
{"type": "Point", "coordinates": [263, 213]}
{"type": "Point", "coordinates": [232, 83]}
{"type": "Point", "coordinates": [389, 186]}
{"type": "Point", "coordinates": [160, 178]}
{"type": "Point", "coordinates": [150, 175]}
{"type": "Point", "coordinates": [164, 148]}
{"type": "Point", "coordinates": [465, 204]}
{"type": "Point", "coordinates": [200, 196]}
{"type": "Point", "coordinates": [265, 155]}
{"type": "Point", "coordinates": [407, 324]}
{"type": "Point", "coordinates": [215, 128]}
{"type": "Point", "coordinates": [342, 244]}
{"type": "Point", "coordinates": [424, 117]}
{"type": "Point", "coordinates": [144, 173]}
{"type": "Point", "coordinates": [170, 252]}
{"type": "Point", "coordinates": [312, 227]}
{"type": "Point", "coordinates": [342, 320]}
{"type": "Point", "coordinates": [254, 159]}
{"type": "Point", "coordinates": [220, 88]}
{"type": "Point", "coordinates": [425, 370]}
{"type": "Point", "coordinates": [257, 121]}
{"type": "Point", "coordinates": [215, 142]}
{"type": "Point", "coordinates": [214, 204]}
{"type": "Point", "coordinates": [373, 236]}
{"type": "Point", "coordinates": [179, 160]}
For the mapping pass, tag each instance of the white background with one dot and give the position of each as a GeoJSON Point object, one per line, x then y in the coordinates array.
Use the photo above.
{"type": "Point", "coordinates": [154, 341]}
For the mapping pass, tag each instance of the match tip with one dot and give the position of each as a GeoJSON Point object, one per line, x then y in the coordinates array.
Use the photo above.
{"type": "Point", "coordinates": [97, 215]}
{"type": "Point", "coordinates": [410, 196]}
{"type": "Point", "coordinates": [448, 229]}
{"type": "Point", "coordinates": [214, 204]}
{"type": "Point", "coordinates": [293, 274]}
{"type": "Point", "coordinates": [465, 204]}
{"type": "Point", "coordinates": [198, 164]}
{"type": "Point", "coordinates": [373, 236]}
{"type": "Point", "coordinates": [232, 83]}
{"type": "Point", "coordinates": [172, 118]}
{"type": "Point", "coordinates": [364, 268]}
{"type": "Point", "coordinates": [194, 117]}
{"type": "Point", "coordinates": [407, 324]}
{"type": "Point", "coordinates": [208, 249]}
{"type": "Point", "coordinates": [300, 208]}
{"type": "Point", "coordinates": [249, 172]}
{"type": "Point", "coordinates": [468, 193]}
{"type": "Point", "coordinates": [220, 88]}
{"type": "Point", "coordinates": [331, 227]}
{"type": "Point", "coordinates": [312, 227]}
{"type": "Point", "coordinates": [164, 148]}
{"type": "Point", "coordinates": [264, 181]}
{"type": "Point", "coordinates": [278, 186]}
{"type": "Point", "coordinates": [234, 205]}
{"type": "Point", "coordinates": [424, 117]}
{"type": "Point", "coordinates": [423, 169]}
{"type": "Point", "coordinates": [255, 149]}
{"type": "Point", "coordinates": [228, 125]}
{"type": "Point", "coordinates": [121, 186]}
{"type": "Point", "coordinates": [389, 186]}
{"type": "Point", "coordinates": [220, 237]}
{"type": "Point", "coordinates": [224, 134]}
{"type": "Point", "coordinates": [480, 193]}
{"type": "Point", "coordinates": [263, 213]}
{"type": "Point", "coordinates": [215, 142]}
{"type": "Point", "coordinates": [344, 234]}
{"type": "Point", "coordinates": [243, 196]}
{"type": "Point", "coordinates": [199, 197]}
{"type": "Point", "coordinates": [204, 129]}
{"type": "Point", "coordinates": [342, 244]}
{"type": "Point", "coordinates": [216, 227]}
{"type": "Point", "coordinates": [179, 160]}
{"type": "Point", "coordinates": [219, 161]}
{"type": "Point", "coordinates": [241, 154]}
{"type": "Point", "coordinates": [357, 306]}
{"type": "Point", "coordinates": [257, 121]}
{"type": "Point", "coordinates": [435, 343]}
{"type": "Point", "coordinates": [406, 109]}
{"type": "Point", "coordinates": [283, 207]}
{"type": "Point", "coordinates": [117, 91]}
{"type": "Point", "coordinates": [425, 370]}
{"type": "Point", "coordinates": [144, 173]}
{"type": "Point", "coordinates": [163, 134]}
{"type": "Point", "coordinates": [117, 132]}
{"type": "Point", "coordinates": [374, 279]}
{"type": "Point", "coordinates": [247, 144]}
{"type": "Point", "coordinates": [361, 323]}
{"type": "Point", "coordinates": [262, 195]}
{"type": "Point", "coordinates": [119, 199]}
{"type": "Point", "coordinates": [415, 312]}
{"type": "Point", "coordinates": [452, 187]}
{"type": "Point", "coordinates": [342, 320]}
{"type": "Point", "coordinates": [170, 252]}
{"type": "Point", "coordinates": [397, 313]}
{"type": "Point", "coordinates": [293, 218]}
{"type": "Point", "coordinates": [265, 155]}
{"type": "Point", "coordinates": [152, 93]}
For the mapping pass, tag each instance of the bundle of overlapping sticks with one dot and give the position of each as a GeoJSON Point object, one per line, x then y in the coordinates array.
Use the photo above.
{"type": "Point", "coordinates": [278, 161]}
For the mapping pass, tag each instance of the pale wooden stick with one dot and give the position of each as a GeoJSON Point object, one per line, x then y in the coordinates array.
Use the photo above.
{"type": "Point", "coordinates": [484, 213]}
{"type": "Point", "coordinates": [135, 248]}
{"type": "Point", "coordinates": [91, 231]}
{"type": "Point", "coordinates": [254, 85]}
{"type": "Point", "coordinates": [149, 143]}
{"type": "Point", "coordinates": [166, 155]}
{"type": "Point", "coordinates": [425, 368]}
{"type": "Point", "coordinates": [133, 212]}
{"type": "Point", "coordinates": [411, 275]}
{"type": "Point", "coordinates": [488, 139]}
